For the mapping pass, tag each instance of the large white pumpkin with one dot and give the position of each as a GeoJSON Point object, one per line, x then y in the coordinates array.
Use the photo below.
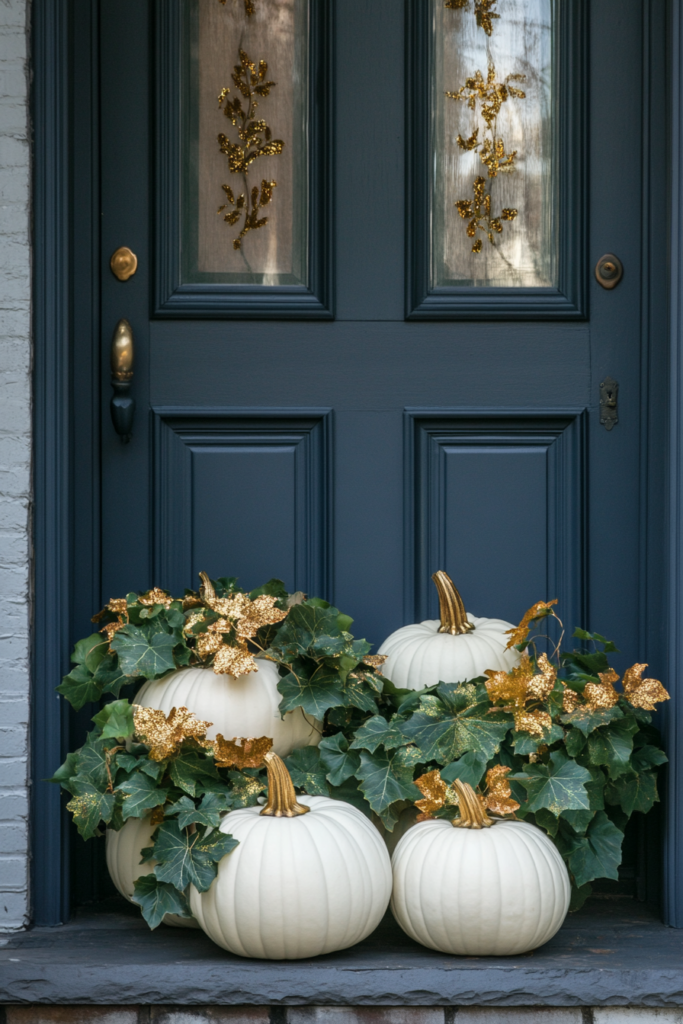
{"type": "Point", "coordinates": [495, 891]}
{"type": "Point", "coordinates": [451, 649]}
{"type": "Point", "coordinates": [123, 861]}
{"type": "Point", "coordinates": [238, 707]}
{"type": "Point", "coordinates": [299, 884]}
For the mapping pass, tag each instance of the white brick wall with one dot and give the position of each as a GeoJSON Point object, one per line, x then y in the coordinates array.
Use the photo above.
{"type": "Point", "coordinates": [15, 460]}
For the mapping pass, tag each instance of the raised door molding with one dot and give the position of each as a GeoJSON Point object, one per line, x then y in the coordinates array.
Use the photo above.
{"type": "Point", "coordinates": [234, 481]}
{"type": "Point", "coordinates": [497, 488]}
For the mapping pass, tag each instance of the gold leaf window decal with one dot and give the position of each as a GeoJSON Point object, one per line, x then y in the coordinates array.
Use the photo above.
{"type": "Point", "coordinates": [485, 97]}
{"type": "Point", "coordinates": [254, 140]}
{"type": "Point", "coordinates": [249, 6]}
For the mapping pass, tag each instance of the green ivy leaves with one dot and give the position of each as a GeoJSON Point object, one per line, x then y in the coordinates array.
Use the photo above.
{"type": "Point", "coordinates": [186, 857]}
{"type": "Point", "coordinates": [455, 721]}
{"type": "Point", "coordinates": [558, 786]}
{"type": "Point", "coordinates": [156, 899]}
{"type": "Point", "coordinates": [320, 662]}
{"type": "Point", "coordinates": [149, 645]}
{"type": "Point", "coordinates": [144, 651]}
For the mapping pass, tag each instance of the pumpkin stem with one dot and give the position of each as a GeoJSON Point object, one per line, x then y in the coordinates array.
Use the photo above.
{"type": "Point", "coordinates": [282, 802]}
{"type": "Point", "coordinates": [472, 814]}
{"type": "Point", "coordinates": [206, 591]}
{"type": "Point", "coordinates": [451, 609]}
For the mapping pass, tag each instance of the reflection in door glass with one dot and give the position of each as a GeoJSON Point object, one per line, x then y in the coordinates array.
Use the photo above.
{"type": "Point", "coordinates": [494, 186]}
{"type": "Point", "coordinates": [244, 148]}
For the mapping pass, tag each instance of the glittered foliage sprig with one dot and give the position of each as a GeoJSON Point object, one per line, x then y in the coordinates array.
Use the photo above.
{"type": "Point", "coordinates": [254, 140]}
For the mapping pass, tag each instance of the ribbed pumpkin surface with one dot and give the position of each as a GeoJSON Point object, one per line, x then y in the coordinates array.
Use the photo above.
{"type": "Point", "coordinates": [497, 891]}
{"type": "Point", "coordinates": [297, 887]}
{"type": "Point", "coordinates": [242, 707]}
{"type": "Point", "coordinates": [419, 656]}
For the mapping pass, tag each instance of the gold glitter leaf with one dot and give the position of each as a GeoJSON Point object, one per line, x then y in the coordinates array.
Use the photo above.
{"type": "Point", "coordinates": [247, 754]}
{"type": "Point", "coordinates": [510, 688]}
{"type": "Point", "coordinates": [111, 628]}
{"type": "Point", "coordinates": [156, 596]}
{"type": "Point", "coordinates": [434, 789]}
{"type": "Point", "coordinates": [570, 701]}
{"type": "Point", "coordinates": [643, 693]}
{"type": "Point", "coordinates": [498, 792]}
{"type": "Point", "coordinates": [164, 735]}
{"type": "Point", "coordinates": [374, 660]}
{"type": "Point", "coordinates": [602, 694]}
{"type": "Point", "coordinates": [541, 686]}
{"type": "Point", "coordinates": [117, 606]}
{"type": "Point", "coordinates": [521, 632]}
{"type": "Point", "coordinates": [234, 661]}
{"type": "Point", "coordinates": [536, 723]}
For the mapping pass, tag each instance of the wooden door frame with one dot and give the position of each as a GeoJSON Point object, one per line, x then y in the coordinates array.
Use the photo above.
{"type": "Point", "coordinates": [66, 415]}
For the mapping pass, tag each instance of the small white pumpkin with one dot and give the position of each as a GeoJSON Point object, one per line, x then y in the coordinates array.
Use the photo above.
{"type": "Point", "coordinates": [123, 861]}
{"type": "Point", "coordinates": [451, 649]}
{"type": "Point", "coordinates": [299, 884]}
{"type": "Point", "coordinates": [480, 890]}
{"type": "Point", "coordinates": [237, 707]}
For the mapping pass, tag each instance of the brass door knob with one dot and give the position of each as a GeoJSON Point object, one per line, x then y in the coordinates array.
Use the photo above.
{"type": "Point", "coordinates": [123, 263]}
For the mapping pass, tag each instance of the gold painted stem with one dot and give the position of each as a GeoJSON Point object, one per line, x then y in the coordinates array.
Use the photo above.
{"type": "Point", "coordinates": [451, 609]}
{"type": "Point", "coordinates": [282, 802]}
{"type": "Point", "coordinates": [472, 814]}
{"type": "Point", "coordinates": [206, 590]}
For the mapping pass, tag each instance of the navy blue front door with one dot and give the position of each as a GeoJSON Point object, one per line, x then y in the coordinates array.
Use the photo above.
{"type": "Point", "coordinates": [354, 434]}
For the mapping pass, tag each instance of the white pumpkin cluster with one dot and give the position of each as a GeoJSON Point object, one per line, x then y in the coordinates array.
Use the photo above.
{"type": "Point", "coordinates": [312, 875]}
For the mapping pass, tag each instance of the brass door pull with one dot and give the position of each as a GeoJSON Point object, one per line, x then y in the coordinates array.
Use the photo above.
{"type": "Point", "coordinates": [122, 405]}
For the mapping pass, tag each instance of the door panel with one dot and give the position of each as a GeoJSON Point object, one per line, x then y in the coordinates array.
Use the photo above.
{"type": "Point", "coordinates": [500, 497]}
{"type": "Point", "coordinates": [249, 489]}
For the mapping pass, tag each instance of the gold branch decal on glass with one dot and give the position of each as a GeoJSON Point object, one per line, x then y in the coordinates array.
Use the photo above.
{"type": "Point", "coordinates": [250, 6]}
{"type": "Point", "coordinates": [255, 140]}
{"type": "Point", "coordinates": [490, 95]}
{"type": "Point", "coordinates": [483, 11]}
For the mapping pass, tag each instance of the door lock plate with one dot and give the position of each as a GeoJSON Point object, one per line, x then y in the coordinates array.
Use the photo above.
{"type": "Point", "coordinates": [609, 393]}
{"type": "Point", "coordinates": [609, 271]}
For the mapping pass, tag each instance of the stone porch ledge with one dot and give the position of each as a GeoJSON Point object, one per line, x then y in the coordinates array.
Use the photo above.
{"type": "Point", "coordinates": [615, 952]}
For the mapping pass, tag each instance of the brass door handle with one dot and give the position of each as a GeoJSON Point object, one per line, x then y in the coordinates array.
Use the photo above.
{"type": "Point", "coordinates": [122, 405]}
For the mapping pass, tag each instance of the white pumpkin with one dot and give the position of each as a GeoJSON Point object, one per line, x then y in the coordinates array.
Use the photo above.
{"type": "Point", "coordinates": [473, 891]}
{"type": "Point", "coordinates": [451, 649]}
{"type": "Point", "coordinates": [307, 878]}
{"type": "Point", "coordinates": [123, 861]}
{"type": "Point", "coordinates": [238, 707]}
